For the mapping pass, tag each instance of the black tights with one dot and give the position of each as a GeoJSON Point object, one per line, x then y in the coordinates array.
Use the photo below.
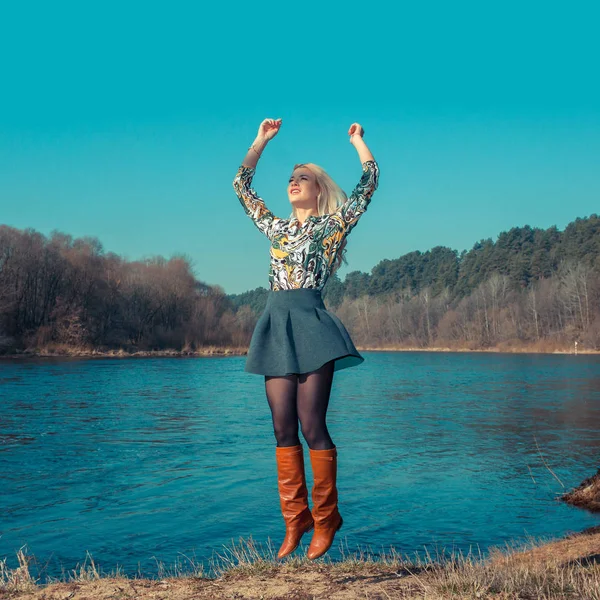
{"type": "Point", "coordinates": [304, 397]}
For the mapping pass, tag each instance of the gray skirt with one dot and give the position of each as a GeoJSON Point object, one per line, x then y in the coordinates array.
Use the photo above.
{"type": "Point", "coordinates": [297, 334]}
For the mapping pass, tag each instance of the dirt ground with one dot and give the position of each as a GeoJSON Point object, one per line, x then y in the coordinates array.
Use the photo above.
{"type": "Point", "coordinates": [282, 584]}
{"type": "Point", "coordinates": [311, 581]}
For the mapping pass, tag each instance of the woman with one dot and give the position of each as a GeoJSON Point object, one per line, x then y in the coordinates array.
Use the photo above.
{"type": "Point", "coordinates": [297, 343]}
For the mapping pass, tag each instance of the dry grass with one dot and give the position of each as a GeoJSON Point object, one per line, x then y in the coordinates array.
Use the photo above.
{"type": "Point", "coordinates": [540, 569]}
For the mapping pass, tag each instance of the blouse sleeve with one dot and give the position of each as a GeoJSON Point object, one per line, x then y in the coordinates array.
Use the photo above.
{"type": "Point", "coordinates": [359, 200]}
{"type": "Point", "coordinates": [254, 206]}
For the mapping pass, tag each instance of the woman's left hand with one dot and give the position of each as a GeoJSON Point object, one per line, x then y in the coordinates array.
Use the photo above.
{"type": "Point", "coordinates": [355, 129]}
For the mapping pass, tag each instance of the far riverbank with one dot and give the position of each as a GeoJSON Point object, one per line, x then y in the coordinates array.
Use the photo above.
{"type": "Point", "coordinates": [75, 352]}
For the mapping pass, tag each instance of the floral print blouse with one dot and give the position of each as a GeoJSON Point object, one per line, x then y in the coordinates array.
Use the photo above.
{"type": "Point", "coordinates": [302, 255]}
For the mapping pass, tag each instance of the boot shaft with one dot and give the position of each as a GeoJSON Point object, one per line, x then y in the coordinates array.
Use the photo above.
{"type": "Point", "coordinates": [291, 482]}
{"type": "Point", "coordinates": [324, 491]}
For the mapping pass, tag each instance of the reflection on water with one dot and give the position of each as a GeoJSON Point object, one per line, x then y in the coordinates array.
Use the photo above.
{"type": "Point", "coordinates": [141, 460]}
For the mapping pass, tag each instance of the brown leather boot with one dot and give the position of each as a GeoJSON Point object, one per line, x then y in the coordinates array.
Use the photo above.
{"type": "Point", "coordinates": [293, 496]}
{"type": "Point", "coordinates": [324, 494]}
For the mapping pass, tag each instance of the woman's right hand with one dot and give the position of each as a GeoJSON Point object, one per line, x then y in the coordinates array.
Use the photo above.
{"type": "Point", "coordinates": [269, 128]}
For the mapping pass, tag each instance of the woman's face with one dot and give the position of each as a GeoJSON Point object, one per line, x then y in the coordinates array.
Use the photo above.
{"type": "Point", "coordinates": [303, 189]}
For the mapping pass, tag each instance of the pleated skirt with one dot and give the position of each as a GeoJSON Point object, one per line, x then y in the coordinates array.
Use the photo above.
{"type": "Point", "coordinates": [297, 334]}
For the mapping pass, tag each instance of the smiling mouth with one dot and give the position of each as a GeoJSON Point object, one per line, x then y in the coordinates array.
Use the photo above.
{"type": "Point", "coordinates": [295, 191]}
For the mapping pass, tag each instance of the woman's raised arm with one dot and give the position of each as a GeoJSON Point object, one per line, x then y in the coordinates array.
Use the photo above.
{"type": "Point", "coordinates": [356, 133]}
{"type": "Point", "coordinates": [253, 205]}
{"type": "Point", "coordinates": [267, 130]}
{"type": "Point", "coordinates": [359, 200]}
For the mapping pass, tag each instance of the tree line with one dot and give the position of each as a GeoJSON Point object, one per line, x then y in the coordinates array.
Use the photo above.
{"type": "Point", "coordinates": [531, 287]}
{"type": "Point", "coordinates": [58, 291]}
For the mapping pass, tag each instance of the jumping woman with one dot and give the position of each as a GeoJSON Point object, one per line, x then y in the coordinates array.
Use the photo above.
{"type": "Point", "coordinates": [297, 344]}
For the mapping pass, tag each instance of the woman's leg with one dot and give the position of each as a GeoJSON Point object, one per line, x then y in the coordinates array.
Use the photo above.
{"type": "Point", "coordinates": [291, 480]}
{"type": "Point", "coordinates": [313, 399]}
{"type": "Point", "coordinates": [281, 394]}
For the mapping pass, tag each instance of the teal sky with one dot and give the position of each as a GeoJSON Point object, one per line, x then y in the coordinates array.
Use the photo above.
{"type": "Point", "coordinates": [127, 121]}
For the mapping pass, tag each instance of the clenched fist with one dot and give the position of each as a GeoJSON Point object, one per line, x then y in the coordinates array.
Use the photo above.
{"type": "Point", "coordinates": [269, 128]}
{"type": "Point", "coordinates": [355, 129]}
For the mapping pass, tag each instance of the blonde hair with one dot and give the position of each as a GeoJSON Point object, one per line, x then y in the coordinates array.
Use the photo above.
{"type": "Point", "coordinates": [331, 196]}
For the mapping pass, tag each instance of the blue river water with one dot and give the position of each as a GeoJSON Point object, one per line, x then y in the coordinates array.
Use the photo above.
{"type": "Point", "coordinates": [140, 462]}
